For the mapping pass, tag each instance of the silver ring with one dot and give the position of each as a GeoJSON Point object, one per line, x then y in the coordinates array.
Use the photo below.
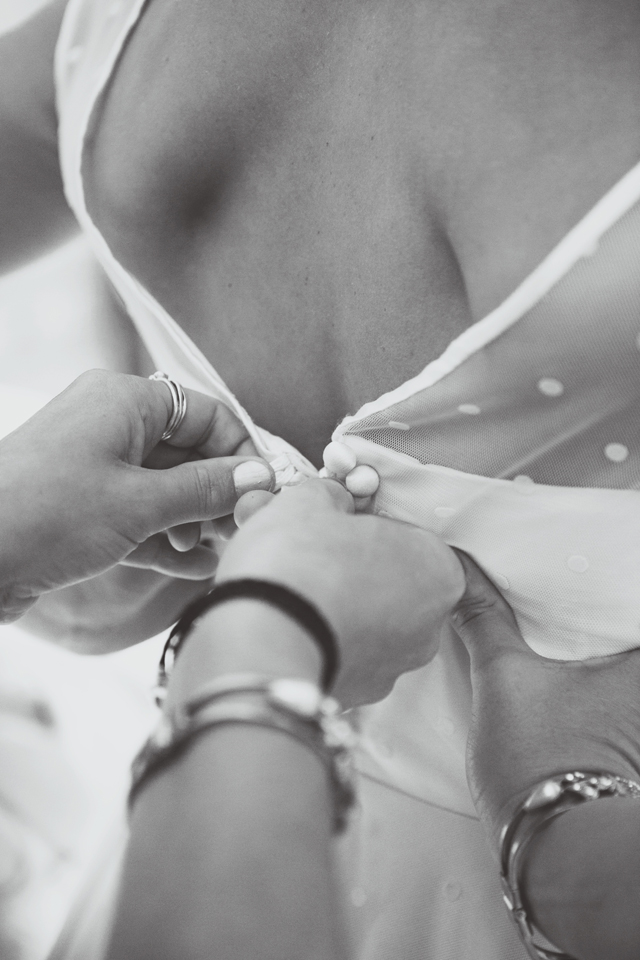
{"type": "Point", "coordinates": [178, 400]}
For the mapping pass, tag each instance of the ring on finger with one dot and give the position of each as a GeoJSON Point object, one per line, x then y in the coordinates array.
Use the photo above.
{"type": "Point", "coordinates": [178, 401]}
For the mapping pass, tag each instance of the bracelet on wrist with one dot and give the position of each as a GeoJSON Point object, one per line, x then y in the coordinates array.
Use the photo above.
{"type": "Point", "coordinates": [548, 800]}
{"type": "Point", "coordinates": [301, 610]}
{"type": "Point", "coordinates": [296, 708]}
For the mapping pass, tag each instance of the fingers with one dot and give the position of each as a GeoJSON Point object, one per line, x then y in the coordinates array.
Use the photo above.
{"type": "Point", "coordinates": [194, 491]}
{"type": "Point", "coordinates": [209, 427]}
{"type": "Point", "coordinates": [316, 495]}
{"type": "Point", "coordinates": [483, 619]}
{"type": "Point", "coordinates": [157, 554]}
{"type": "Point", "coordinates": [249, 504]}
{"type": "Point", "coordinates": [308, 497]}
{"type": "Point", "coordinates": [224, 528]}
{"type": "Point", "coordinates": [184, 537]}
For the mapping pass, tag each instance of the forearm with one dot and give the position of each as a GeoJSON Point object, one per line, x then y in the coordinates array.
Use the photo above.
{"type": "Point", "coordinates": [112, 611]}
{"type": "Point", "coordinates": [582, 880]}
{"type": "Point", "coordinates": [230, 849]}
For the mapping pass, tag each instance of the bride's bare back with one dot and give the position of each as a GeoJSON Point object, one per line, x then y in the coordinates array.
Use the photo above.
{"type": "Point", "coordinates": [324, 194]}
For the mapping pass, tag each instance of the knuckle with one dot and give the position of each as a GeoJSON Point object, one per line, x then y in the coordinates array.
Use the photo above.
{"type": "Point", "coordinates": [472, 607]}
{"type": "Point", "coordinates": [95, 380]}
{"type": "Point", "coordinates": [208, 490]}
{"type": "Point", "coordinates": [224, 432]}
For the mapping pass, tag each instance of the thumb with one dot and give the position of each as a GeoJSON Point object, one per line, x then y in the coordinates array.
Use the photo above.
{"type": "Point", "coordinates": [483, 619]}
{"type": "Point", "coordinates": [316, 494]}
{"type": "Point", "coordinates": [200, 489]}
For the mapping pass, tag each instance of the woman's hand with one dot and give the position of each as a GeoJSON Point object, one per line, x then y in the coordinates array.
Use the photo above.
{"type": "Point", "coordinates": [385, 587]}
{"type": "Point", "coordinates": [86, 484]}
{"type": "Point", "coordinates": [533, 717]}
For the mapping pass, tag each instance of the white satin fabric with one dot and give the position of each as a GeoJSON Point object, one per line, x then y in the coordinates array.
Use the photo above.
{"type": "Point", "coordinates": [520, 445]}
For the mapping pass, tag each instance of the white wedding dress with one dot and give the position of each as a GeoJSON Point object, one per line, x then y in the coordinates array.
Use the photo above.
{"type": "Point", "coordinates": [520, 445]}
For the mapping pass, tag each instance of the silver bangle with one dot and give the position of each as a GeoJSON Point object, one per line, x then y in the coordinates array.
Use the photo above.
{"type": "Point", "coordinates": [295, 707]}
{"type": "Point", "coordinates": [548, 800]}
{"type": "Point", "coordinates": [178, 400]}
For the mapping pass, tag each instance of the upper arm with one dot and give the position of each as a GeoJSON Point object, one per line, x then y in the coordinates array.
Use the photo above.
{"type": "Point", "coordinates": [33, 212]}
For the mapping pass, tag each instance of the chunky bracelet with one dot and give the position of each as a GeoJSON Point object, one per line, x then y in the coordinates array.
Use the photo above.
{"type": "Point", "coordinates": [547, 800]}
{"type": "Point", "coordinates": [283, 598]}
{"type": "Point", "coordinates": [294, 707]}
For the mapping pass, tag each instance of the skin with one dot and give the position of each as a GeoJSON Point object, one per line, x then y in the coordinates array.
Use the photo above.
{"type": "Point", "coordinates": [87, 483]}
{"type": "Point", "coordinates": [246, 811]}
{"type": "Point", "coordinates": [35, 215]}
{"type": "Point", "coordinates": [534, 718]}
{"type": "Point", "coordinates": [480, 133]}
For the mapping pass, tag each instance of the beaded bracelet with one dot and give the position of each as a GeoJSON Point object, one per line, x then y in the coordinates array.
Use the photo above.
{"type": "Point", "coordinates": [294, 707]}
{"type": "Point", "coordinates": [276, 595]}
{"type": "Point", "coordinates": [548, 800]}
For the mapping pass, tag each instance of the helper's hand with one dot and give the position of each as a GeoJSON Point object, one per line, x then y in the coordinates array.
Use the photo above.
{"type": "Point", "coordinates": [534, 718]}
{"type": "Point", "coordinates": [385, 587]}
{"type": "Point", "coordinates": [86, 484]}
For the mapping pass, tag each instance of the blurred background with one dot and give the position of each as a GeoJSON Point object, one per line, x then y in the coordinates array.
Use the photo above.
{"type": "Point", "coordinates": [69, 726]}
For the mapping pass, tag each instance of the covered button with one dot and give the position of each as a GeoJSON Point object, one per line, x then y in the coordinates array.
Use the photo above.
{"type": "Point", "coordinates": [339, 459]}
{"type": "Point", "coordinates": [363, 481]}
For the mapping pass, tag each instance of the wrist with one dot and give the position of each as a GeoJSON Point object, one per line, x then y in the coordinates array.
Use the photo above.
{"type": "Point", "coordinates": [581, 877]}
{"type": "Point", "coordinates": [21, 539]}
{"type": "Point", "coordinates": [15, 596]}
{"type": "Point", "coordinates": [244, 635]}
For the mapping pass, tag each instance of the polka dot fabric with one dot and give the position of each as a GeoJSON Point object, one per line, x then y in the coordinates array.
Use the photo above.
{"type": "Point", "coordinates": [570, 556]}
{"type": "Point", "coordinates": [555, 397]}
{"type": "Point", "coordinates": [527, 456]}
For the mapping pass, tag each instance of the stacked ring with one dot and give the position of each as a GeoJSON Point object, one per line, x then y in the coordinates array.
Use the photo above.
{"type": "Point", "coordinates": [179, 403]}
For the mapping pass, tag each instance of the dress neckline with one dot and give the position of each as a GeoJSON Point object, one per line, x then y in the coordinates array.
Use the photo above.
{"type": "Point", "coordinates": [582, 240]}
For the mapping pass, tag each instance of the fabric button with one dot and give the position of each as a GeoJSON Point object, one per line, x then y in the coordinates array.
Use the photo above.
{"type": "Point", "coordinates": [362, 481]}
{"type": "Point", "coordinates": [501, 581]}
{"type": "Point", "coordinates": [443, 513]}
{"type": "Point", "coordinates": [578, 563]}
{"type": "Point", "coordinates": [469, 408]}
{"type": "Point", "coordinates": [397, 425]}
{"type": "Point", "coordinates": [338, 458]}
{"type": "Point", "coordinates": [550, 387]}
{"type": "Point", "coordinates": [616, 452]}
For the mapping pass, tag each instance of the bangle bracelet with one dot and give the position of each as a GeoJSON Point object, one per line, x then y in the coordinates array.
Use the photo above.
{"type": "Point", "coordinates": [291, 706]}
{"type": "Point", "coordinates": [282, 598]}
{"type": "Point", "coordinates": [548, 800]}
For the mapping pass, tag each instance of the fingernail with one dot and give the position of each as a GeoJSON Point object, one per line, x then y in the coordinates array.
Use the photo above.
{"type": "Point", "coordinates": [252, 475]}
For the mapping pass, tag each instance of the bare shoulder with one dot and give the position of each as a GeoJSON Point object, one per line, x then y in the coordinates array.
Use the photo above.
{"type": "Point", "coordinates": [26, 69]}
{"type": "Point", "coordinates": [32, 205]}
